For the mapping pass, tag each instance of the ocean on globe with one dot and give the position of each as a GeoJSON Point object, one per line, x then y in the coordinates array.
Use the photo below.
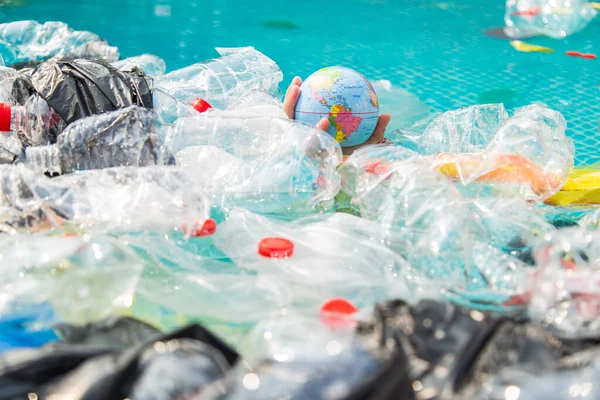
{"type": "Point", "coordinates": [343, 96]}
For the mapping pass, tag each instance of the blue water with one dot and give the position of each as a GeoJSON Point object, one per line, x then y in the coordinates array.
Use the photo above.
{"type": "Point", "coordinates": [434, 49]}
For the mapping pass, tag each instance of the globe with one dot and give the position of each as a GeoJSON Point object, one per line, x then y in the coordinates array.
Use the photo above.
{"type": "Point", "coordinates": [343, 96]}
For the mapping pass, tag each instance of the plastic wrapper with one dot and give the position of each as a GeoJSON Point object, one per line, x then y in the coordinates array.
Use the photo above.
{"type": "Point", "coordinates": [151, 65]}
{"type": "Point", "coordinates": [83, 278]}
{"type": "Point", "coordinates": [565, 294]}
{"type": "Point", "coordinates": [553, 18]}
{"type": "Point", "coordinates": [267, 165]}
{"type": "Point", "coordinates": [26, 42]}
{"type": "Point", "coordinates": [527, 155]}
{"type": "Point", "coordinates": [315, 261]}
{"type": "Point", "coordinates": [223, 80]}
{"type": "Point", "coordinates": [124, 137]}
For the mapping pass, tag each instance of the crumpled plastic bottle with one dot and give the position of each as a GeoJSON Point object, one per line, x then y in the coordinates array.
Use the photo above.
{"type": "Point", "coordinates": [223, 80]}
{"type": "Point", "coordinates": [553, 18]}
{"type": "Point", "coordinates": [124, 137]}
{"type": "Point", "coordinates": [311, 255]}
{"type": "Point", "coordinates": [29, 41]}
{"type": "Point", "coordinates": [156, 198]}
{"type": "Point", "coordinates": [269, 165]}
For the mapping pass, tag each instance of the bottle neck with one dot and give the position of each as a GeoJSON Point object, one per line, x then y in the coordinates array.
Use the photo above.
{"type": "Point", "coordinates": [44, 159]}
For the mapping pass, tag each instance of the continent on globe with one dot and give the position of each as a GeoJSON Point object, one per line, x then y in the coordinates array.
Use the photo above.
{"type": "Point", "coordinates": [344, 123]}
{"type": "Point", "coordinates": [343, 96]}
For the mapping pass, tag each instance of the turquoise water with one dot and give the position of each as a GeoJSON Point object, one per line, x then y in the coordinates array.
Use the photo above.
{"type": "Point", "coordinates": [435, 49]}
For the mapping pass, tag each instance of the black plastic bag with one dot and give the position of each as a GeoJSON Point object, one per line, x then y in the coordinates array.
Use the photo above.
{"type": "Point", "coordinates": [107, 366]}
{"type": "Point", "coordinates": [80, 88]}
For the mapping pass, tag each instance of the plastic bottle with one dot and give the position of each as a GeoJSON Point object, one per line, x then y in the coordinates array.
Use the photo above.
{"type": "Point", "coordinates": [124, 137]}
{"type": "Point", "coordinates": [265, 164]}
{"type": "Point", "coordinates": [36, 122]}
{"type": "Point", "coordinates": [223, 80]}
{"type": "Point", "coordinates": [29, 41]}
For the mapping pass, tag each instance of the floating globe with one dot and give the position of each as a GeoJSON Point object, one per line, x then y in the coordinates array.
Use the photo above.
{"type": "Point", "coordinates": [343, 96]}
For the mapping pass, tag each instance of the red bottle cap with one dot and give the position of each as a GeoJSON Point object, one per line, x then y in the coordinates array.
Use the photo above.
{"type": "Point", "coordinates": [338, 306]}
{"type": "Point", "coordinates": [275, 247]}
{"type": "Point", "coordinates": [208, 228]}
{"type": "Point", "coordinates": [5, 111]}
{"type": "Point", "coordinates": [201, 105]}
{"type": "Point", "coordinates": [336, 313]}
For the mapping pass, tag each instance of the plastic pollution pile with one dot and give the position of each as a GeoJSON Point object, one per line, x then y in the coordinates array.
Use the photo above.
{"type": "Point", "coordinates": [554, 18]}
{"type": "Point", "coordinates": [173, 235]}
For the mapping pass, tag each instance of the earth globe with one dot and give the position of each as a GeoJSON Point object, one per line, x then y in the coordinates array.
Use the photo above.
{"type": "Point", "coordinates": [343, 96]}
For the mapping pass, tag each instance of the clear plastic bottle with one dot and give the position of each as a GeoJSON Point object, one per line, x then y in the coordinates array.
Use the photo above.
{"type": "Point", "coordinates": [35, 122]}
{"type": "Point", "coordinates": [124, 137]}
{"type": "Point", "coordinates": [30, 41]}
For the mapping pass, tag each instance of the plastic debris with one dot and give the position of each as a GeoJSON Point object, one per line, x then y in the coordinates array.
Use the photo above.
{"type": "Point", "coordinates": [307, 254]}
{"type": "Point", "coordinates": [527, 155]}
{"type": "Point", "coordinates": [30, 42]}
{"type": "Point", "coordinates": [151, 65]}
{"type": "Point", "coordinates": [223, 80]}
{"type": "Point", "coordinates": [268, 165]}
{"type": "Point", "coordinates": [587, 56]}
{"type": "Point", "coordinates": [565, 294]}
{"type": "Point", "coordinates": [553, 18]}
{"type": "Point", "coordinates": [529, 48]}
{"type": "Point", "coordinates": [125, 137]}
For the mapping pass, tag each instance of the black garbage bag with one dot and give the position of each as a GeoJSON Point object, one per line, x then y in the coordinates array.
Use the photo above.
{"type": "Point", "coordinates": [451, 351]}
{"type": "Point", "coordinates": [80, 88]}
{"type": "Point", "coordinates": [112, 365]}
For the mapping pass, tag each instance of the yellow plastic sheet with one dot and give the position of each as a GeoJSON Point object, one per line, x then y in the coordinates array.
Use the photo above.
{"type": "Point", "coordinates": [529, 48]}
{"type": "Point", "coordinates": [582, 187]}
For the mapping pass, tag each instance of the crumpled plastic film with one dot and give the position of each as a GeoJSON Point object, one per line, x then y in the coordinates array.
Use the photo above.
{"type": "Point", "coordinates": [554, 18]}
{"type": "Point", "coordinates": [29, 41]}
{"type": "Point", "coordinates": [85, 278]}
{"type": "Point", "coordinates": [268, 165]}
{"type": "Point", "coordinates": [565, 294]}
